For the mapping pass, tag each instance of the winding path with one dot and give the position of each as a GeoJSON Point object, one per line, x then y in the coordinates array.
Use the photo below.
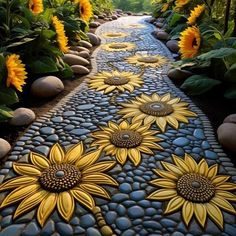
{"type": "Point", "coordinates": [129, 211]}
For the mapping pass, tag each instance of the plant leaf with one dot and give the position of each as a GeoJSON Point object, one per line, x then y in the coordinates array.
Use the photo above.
{"type": "Point", "coordinates": [8, 96]}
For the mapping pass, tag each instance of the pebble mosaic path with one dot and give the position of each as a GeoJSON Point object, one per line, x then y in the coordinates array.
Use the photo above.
{"type": "Point", "coordinates": [82, 112]}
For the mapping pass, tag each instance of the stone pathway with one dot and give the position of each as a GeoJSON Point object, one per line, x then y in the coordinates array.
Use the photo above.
{"type": "Point", "coordinates": [197, 201]}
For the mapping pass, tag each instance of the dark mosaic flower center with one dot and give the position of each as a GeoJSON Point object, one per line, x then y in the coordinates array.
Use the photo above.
{"type": "Point", "coordinates": [156, 108]}
{"type": "Point", "coordinates": [195, 188]}
{"type": "Point", "coordinates": [114, 35]}
{"type": "Point", "coordinates": [59, 178]}
{"type": "Point", "coordinates": [126, 139]}
{"type": "Point", "coordinates": [116, 80]}
{"type": "Point", "coordinates": [150, 59]}
{"type": "Point", "coordinates": [118, 46]}
{"type": "Point", "coordinates": [82, 10]}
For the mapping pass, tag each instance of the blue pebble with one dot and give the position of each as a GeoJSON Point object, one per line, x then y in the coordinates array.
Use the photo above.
{"type": "Point", "coordinates": [168, 223]}
{"type": "Point", "coordinates": [120, 197]}
{"type": "Point", "coordinates": [12, 230]}
{"type": "Point", "coordinates": [79, 230]}
{"type": "Point", "coordinates": [112, 206]}
{"type": "Point", "coordinates": [151, 211]}
{"type": "Point", "coordinates": [135, 212]}
{"type": "Point", "coordinates": [210, 154]}
{"type": "Point", "coordinates": [123, 223]}
{"type": "Point", "coordinates": [125, 188]}
{"type": "Point", "coordinates": [128, 232]}
{"type": "Point", "coordinates": [181, 141]}
{"type": "Point", "coordinates": [129, 203]}
{"type": "Point", "coordinates": [93, 232]}
{"type": "Point", "coordinates": [31, 230]}
{"type": "Point", "coordinates": [121, 210]}
{"type": "Point", "coordinates": [144, 203]}
{"type": "Point", "coordinates": [7, 220]}
{"type": "Point", "coordinates": [87, 221]}
{"type": "Point", "coordinates": [64, 229]}
{"type": "Point", "coordinates": [136, 186]}
{"type": "Point", "coordinates": [152, 224]}
{"type": "Point", "coordinates": [197, 150]}
{"type": "Point", "coordinates": [111, 217]}
{"type": "Point", "coordinates": [138, 195]}
{"type": "Point", "coordinates": [48, 229]}
{"type": "Point", "coordinates": [198, 133]}
{"type": "Point", "coordinates": [230, 230]}
{"type": "Point", "coordinates": [179, 151]}
{"type": "Point", "coordinates": [205, 145]}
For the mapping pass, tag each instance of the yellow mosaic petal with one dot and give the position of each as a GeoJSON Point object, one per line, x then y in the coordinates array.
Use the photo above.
{"type": "Point", "coordinates": [65, 205]}
{"type": "Point", "coordinates": [124, 125]}
{"type": "Point", "coordinates": [134, 156]}
{"type": "Point", "coordinates": [26, 169]}
{"type": "Point", "coordinates": [74, 153]}
{"type": "Point", "coordinates": [94, 189]}
{"type": "Point", "coordinates": [30, 202]}
{"type": "Point", "coordinates": [226, 186]}
{"type": "Point", "coordinates": [174, 204]}
{"type": "Point", "coordinates": [220, 179]}
{"type": "Point", "coordinates": [200, 213]}
{"type": "Point", "coordinates": [212, 172]}
{"type": "Point", "coordinates": [180, 163]}
{"type": "Point", "coordinates": [99, 178]}
{"type": "Point", "coordinates": [226, 195]}
{"type": "Point", "coordinates": [223, 203]}
{"type": "Point", "coordinates": [191, 162]}
{"type": "Point", "coordinates": [99, 167]}
{"type": "Point", "coordinates": [83, 198]}
{"type": "Point", "coordinates": [40, 161]}
{"type": "Point", "coordinates": [172, 121]}
{"type": "Point", "coordinates": [187, 212]}
{"type": "Point", "coordinates": [88, 159]}
{"type": "Point", "coordinates": [56, 154]}
{"type": "Point", "coordinates": [203, 168]}
{"type": "Point", "coordinates": [166, 174]}
{"type": "Point", "coordinates": [172, 168]}
{"type": "Point", "coordinates": [163, 194]}
{"type": "Point", "coordinates": [164, 183]}
{"type": "Point", "coordinates": [121, 155]}
{"type": "Point", "coordinates": [161, 123]}
{"type": "Point", "coordinates": [215, 214]}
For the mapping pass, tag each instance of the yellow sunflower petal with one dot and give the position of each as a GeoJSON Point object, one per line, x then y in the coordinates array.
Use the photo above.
{"type": "Point", "coordinates": [226, 186]}
{"type": "Point", "coordinates": [223, 203]}
{"type": "Point", "coordinates": [121, 155]}
{"type": "Point", "coordinates": [203, 168]}
{"type": "Point", "coordinates": [200, 213]}
{"type": "Point", "coordinates": [181, 163]}
{"type": "Point", "coordinates": [172, 168]}
{"type": "Point", "coordinates": [30, 202]}
{"type": "Point", "coordinates": [46, 207]}
{"type": "Point", "coordinates": [88, 159]}
{"type": "Point", "coordinates": [124, 125]}
{"type": "Point", "coordinates": [40, 161]}
{"type": "Point", "coordinates": [190, 162]}
{"type": "Point", "coordinates": [215, 214]}
{"type": "Point", "coordinates": [83, 197]}
{"type": "Point", "coordinates": [134, 156]}
{"type": "Point", "coordinates": [187, 212]}
{"type": "Point", "coordinates": [65, 205]}
{"type": "Point", "coordinates": [56, 154]}
{"type": "Point", "coordinates": [162, 194]}
{"type": "Point", "coordinates": [74, 153]}
{"type": "Point", "coordinates": [94, 189]}
{"type": "Point", "coordinates": [17, 182]}
{"type": "Point", "coordinates": [26, 169]}
{"type": "Point", "coordinates": [161, 123]}
{"type": "Point", "coordinates": [166, 174]}
{"type": "Point", "coordinates": [99, 167]}
{"type": "Point", "coordinates": [172, 121]}
{"type": "Point", "coordinates": [220, 179]}
{"type": "Point", "coordinates": [226, 195]}
{"type": "Point", "coordinates": [212, 171]}
{"type": "Point", "coordinates": [164, 183]}
{"type": "Point", "coordinates": [165, 98]}
{"type": "Point", "coordinates": [174, 204]}
{"type": "Point", "coordinates": [99, 178]}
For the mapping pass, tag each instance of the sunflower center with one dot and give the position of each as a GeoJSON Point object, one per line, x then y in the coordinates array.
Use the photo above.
{"type": "Point", "coordinates": [60, 177]}
{"type": "Point", "coordinates": [116, 80]}
{"type": "Point", "coordinates": [149, 59]}
{"type": "Point", "coordinates": [156, 108]}
{"type": "Point", "coordinates": [194, 43]}
{"type": "Point", "coordinates": [82, 10]}
{"type": "Point", "coordinates": [195, 188]}
{"type": "Point", "coordinates": [118, 46]}
{"type": "Point", "coordinates": [126, 139]}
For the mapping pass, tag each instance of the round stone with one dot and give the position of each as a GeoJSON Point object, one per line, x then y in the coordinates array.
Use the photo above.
{"type": "Point", "coordinates": [126, 139]}
{"type": "Point", "coordinates": [22, 116]}
{"type": "Point", "coordinates": [156, 108]}
{"type": "Point", "coordinates": [60, 177]}
{"type": "Point", "coordinates": [118, 46]}
{"type": "Point", "coordinates": [116, 81]}
{"type": "Point", "coordinates": [195, 188]}
{"type": "Point", "coordinates": [5, 147]}
{"type": "Point", "coordinates": [149, 59]}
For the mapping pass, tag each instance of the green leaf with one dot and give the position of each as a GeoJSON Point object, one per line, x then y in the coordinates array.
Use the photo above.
{"type": "Point", "coordinates": [230, 75]}
{"type": "Point", "coordinates": [48, 34]}
{"type": "Point", "coordinates": [176, 18]}
{"type": "Point", "coordinates": [23, 41]}
{"type": "Point", "coordinates": [199, 84]}
{"type": "Point", "coordinates": [8, 96]}
{"type": "Point", "coordinates": [44, 65]}
{"type": "Point", "coordinates": [66, 72]}
{"type": "Point", "coordinates": [5, 113]}
{"type": "Point", "coordinates": [217, 53]}
{"type": "Point", "coordinates": [231, 92]}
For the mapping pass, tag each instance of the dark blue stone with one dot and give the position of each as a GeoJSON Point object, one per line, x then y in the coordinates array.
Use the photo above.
{"type": "Point", "coordinates": [145, 203]}
{"type": "Point", "coordinates": [205, 145]}
{"type": "Point", "coordinates": [110, 217]}
{"type": "Point", "coordinates": [13, 230]}
{"type": "Point", "coordinates": [123, 223]}
{"type": "Point", "coordinates": [107, 118]}
{"type": "Point", "coordinates": [68, 113]}
{"type": "Point", "coordinates": [129, 203]}
{"type": "Point", "coordinates": [138, 195]}
{"type": "Point", "coordinates": [120, 197]}
{"type": "Point", "coordinates": [7, 220]}
{"type": "Point", "coordinates": [181, 141]}
{"type": "Point", "coordinates": [87, 221]}
{"type": "Point", "coordinates": [210, 154]}
{"type": "Point", "coordinates": [43, 149]}
{"type": "Point", "coordinates": [121, 210]}
{"type": "Point", "coordinates": [128, 232]}
{"type": "Point", "coordinates": [198, 133]}
{"type": "Point", "coordinates": [75, 221]}
{"type": "Point", "coordinates": [168, 223]}
{"type": "Point", "coordinates": [197, 150]}
{"type": "Point", "coordinates": [7, 211]}
{"type": "Point", "coordinates": [79, 132]}
{"type": "Point", "coordinates": [151, 211]}
{"type": "Point", "coordinates": [125, 188]}
{"type": "Point", "coordinates": [31, 230]}
{"type": "Point", "coordinates": [152, 224]}
{"type": "Point", "coordinates": [57, 119]}
{"type": "Point", "coordinates": [52, 138]}
{"type": "Point", "coordinates": [179, 151]}
{"type": "Point", "coordinates": [47, 130]}
{"type": "Point", "coordinates": [48, 229]}
{"type": "Point", "coordinates": [79, 230]}
{"type": "Point", "coordinates": [93, 232]}
{"type": "Point", "coordinates": [85, 107]}
{"type": "Point", "coordinates": [135, 212]}
{"type": "Point", "coordinates": [230, 230]}
{"type": "Point", "coordinates": [64, 229]}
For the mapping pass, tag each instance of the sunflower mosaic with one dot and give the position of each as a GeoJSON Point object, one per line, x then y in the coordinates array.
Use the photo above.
{"type": "Point", "coordinates": [126, 140]}
{"type": "Point", "coordinates": [58, 182]}
{"type": "Point", "coordinates": [162, 110]}
{"type": "Point", "coordinates": [146, 60]}
{"type": "Point", "coordinates": [115, 35]}
{"type": "Point", "coordinates": [118, 46]}
{"type": "Point", "coordinates": [135, 26]}
{"type": "Point", "coordinates": [196, 188]}
{"type": "Point", "coordinates": [115, 80]}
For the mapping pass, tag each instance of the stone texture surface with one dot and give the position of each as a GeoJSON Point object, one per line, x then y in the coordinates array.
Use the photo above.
{"type": "Point", "coordinates": [80, 70]}
{"type": "Point", "coordinates": [71, 60]}
{"type": "Point", "coordinates": [5, 147]}
{"type": "Point", "coordinates": [22, 116]}
{"type": "Point", "coordinates": [173, 45]}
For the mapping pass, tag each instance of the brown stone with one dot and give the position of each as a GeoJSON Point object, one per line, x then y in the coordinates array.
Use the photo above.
{"type": "Point", "coordinates": [178, 75]}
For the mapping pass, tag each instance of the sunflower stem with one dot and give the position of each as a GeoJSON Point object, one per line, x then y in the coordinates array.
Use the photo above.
{"type": "Point", "coordinates": [8, 19]}
{"type": "Point", "coordinates": [227, 14]}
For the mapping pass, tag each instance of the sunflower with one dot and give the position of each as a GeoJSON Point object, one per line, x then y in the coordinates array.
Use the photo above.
{"type": "Point", "coordinates": [160, 109]}
{"type": "Point", "coordinates": [61, 36]}
{"type": "Point", "coordinates": [195, 13]}
{"type": "Point", "coordinates": [146, 60]}
{"type": "Point", "coordinates": [124, 140]}
{"type": "Point", "coordinates": [118, 46]}
{"type": "Point", "coordinates": [165, 6]}
{"type": "Point", "coordinates": [196, 188]}
{"type": "Point", "coordinates": [115, 35]}
{"type": "Point", "coordinates": [58, 182]}
{"type": "Point", "coordinates": [135, 26]}
{"type": "Point", "coordinates": [190, 41]}
{"type": "Point", "coordinates": [85, 9]}
{"type": "Point", "coordinates": [16, 73]}
{"type": "Point", "coordinates": [181, 3]}
{"type": "Point", "coordinates": [109, 81]}
{"type": "Point", "coordinates": [36, 6]}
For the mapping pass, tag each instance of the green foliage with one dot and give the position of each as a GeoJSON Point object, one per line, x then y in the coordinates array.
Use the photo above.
{"type": "Point", "coordinates": [102, 6]}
